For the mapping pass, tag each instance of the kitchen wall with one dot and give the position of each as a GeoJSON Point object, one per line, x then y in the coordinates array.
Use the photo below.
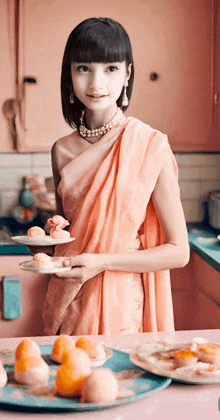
{"type": "Point", "coordinates": [198, 174]}
{"type": "Point", "coordinates": [12, 168]}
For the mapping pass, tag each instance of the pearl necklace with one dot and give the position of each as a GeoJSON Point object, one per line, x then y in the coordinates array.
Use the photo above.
{"type": "Point", "coordinates": [85, 132]}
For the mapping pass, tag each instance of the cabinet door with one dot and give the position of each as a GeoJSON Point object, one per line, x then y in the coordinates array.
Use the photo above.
{"type": "Point", "coordinates": [207, 294]}
{"type": "Point", "coordinates": [216, 72]}
{"type": "Point", "coordinates": [172, 39]}
{"type": "Point", "coordinates": [183, 296]}
{"type": "Point", "coordinates": [206, 277]}
{"type": "Point", "coordinates": [7, 70]}
{"type": "Point", "coordinates": [33, 289]}
{"type": "Point", "coordinates": [207, 312]}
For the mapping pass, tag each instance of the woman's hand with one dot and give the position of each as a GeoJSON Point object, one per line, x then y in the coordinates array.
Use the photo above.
{"type": "Point", "coordinates": [82, 267]}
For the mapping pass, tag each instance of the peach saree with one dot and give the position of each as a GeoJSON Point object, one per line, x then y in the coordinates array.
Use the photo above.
{"type": "Point", "coordinates": [106, 194]}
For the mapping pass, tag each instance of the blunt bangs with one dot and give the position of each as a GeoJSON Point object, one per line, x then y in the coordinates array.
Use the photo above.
{"type": "Point", "coordinates": [100, 46]}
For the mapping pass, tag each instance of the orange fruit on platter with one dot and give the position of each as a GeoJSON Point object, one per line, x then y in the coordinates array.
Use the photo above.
{"type": "Point", "coordinates": [91, 347]}
{"type": "Point", "coordinates": [27, 348]}
{"type": "Point", "coordinates": [63, 344]}
{"type": "Point", "coordinates": [69, 379]}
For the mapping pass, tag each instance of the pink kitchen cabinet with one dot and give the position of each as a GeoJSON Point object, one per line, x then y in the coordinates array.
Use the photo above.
{"type": "Point", "coordinates": [216, 72]}
{"type": "Point", "coordinates": [33, 289]}
{"type": "Point", "coordinates": [183, 295]}
{"type": "Point", "coordinates": [196, 295]}
{"type": "Point", "coordinates": [206, 306]}
{"type": "Point", "coordinates": [167, 41]}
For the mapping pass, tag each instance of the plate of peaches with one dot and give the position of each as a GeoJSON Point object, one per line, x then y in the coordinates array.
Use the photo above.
{"type": "Point", "coordinates": [196, 362]}
{"type": "Point", "coordinates": [77, 374]}
{"type": "Point", "coordinates": [36, 236]}
{"type": "Point", "coordinates": [44, 264]}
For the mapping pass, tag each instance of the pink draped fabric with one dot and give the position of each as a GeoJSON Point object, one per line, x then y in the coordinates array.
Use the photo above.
{"type": "Point", "coordinates": [106, 193]}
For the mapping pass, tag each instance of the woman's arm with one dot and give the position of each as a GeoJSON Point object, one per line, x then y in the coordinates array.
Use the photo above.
{"type": "Point", "coordinates": [172, 254]}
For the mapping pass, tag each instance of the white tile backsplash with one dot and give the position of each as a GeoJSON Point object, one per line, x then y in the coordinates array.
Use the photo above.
{"type": "Point", "coordinates": [212, 172]}
{"type": "Point", "coordinates": [199, 173]}
{"type": "Point", "coordinates": [189, 189]}
{"type": "Point", "coordinates": [15, 159]}
{"type": "Point", "coordinates": [198, 159]}
{"type": "Point", "coordinates": [12, 177]}
{"type": "Point", "coordinates": [43, 171]}
{"type": "Point", "coordinates": [207, 186]}
{"type": "Point", "coordinates": [193, 210]}
{"type": "Point", "coordinates": [41, 159]}
{"type": "Point", "coordinates": [9, 199]}
{"type": "Point", "coordinates": [13, 167]}
{"type": "Point", "coordinates": [189, 173]}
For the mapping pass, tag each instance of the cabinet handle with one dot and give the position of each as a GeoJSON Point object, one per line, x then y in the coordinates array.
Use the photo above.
{"type": "Point", "coordinates": [209, 296]}
{"type": "Point", "coordinates": [153, 77]}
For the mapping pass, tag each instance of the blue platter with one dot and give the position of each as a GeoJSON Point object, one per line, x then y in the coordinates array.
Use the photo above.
{"type": "Point", "coordinates": [139, 383]}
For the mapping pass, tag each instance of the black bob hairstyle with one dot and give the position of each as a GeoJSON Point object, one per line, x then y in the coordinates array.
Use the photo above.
{"type": "Point", "coordinates": [97, 40]}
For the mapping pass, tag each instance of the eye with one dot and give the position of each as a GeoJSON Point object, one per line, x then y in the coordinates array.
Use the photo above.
{"type": "Point", "coordinates": [112, 69]}
{"type": "Point", "coordinates": [82, 69]}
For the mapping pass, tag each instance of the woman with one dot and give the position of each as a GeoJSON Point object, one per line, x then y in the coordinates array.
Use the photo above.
{"type": "Point", "coordinates": [116, 183]}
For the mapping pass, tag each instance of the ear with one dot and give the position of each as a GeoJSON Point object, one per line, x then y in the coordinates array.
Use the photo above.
{"type": "Point", "coordinates": [129, 71]}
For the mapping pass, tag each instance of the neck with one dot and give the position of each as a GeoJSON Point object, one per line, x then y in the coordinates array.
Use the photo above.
{"type": "Point", "coordinates": [96, 119]}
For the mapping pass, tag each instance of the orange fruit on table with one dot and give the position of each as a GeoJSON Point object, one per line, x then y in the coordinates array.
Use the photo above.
{"type": "Point", "coordinates": [90, 346]}
{"type": "Point", "coordinates": [69, 379]}
{"type": "Point", "coordinates": [27, 348]}
{"type": "Point", "coordinates": [63, 344]}
{"type": "Point", "coordinates": [77, 357]}
{"type": "Point", "coordinates": [31, 371]}
{"type": "Point", "coordinates": [25, 363]}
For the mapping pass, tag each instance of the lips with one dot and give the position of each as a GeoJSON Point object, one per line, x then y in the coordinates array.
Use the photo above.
{"type": "Point", "coordinates": [96, 96]}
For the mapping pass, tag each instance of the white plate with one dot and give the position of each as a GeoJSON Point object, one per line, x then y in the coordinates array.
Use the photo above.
{"type": "Point", "coordinates": [57, 266]}
{"type": "Point", "coordinates": [146, 364]}
{"type": "Point", "coordinates": [218, 237]}
{"type": "Point", "coordinates": [40, 240]}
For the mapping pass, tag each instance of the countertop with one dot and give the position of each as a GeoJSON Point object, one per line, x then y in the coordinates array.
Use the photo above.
{"type": "Point", "coordinates": [202, 240]}
{"type": "Point", "coordinates": [177, 401]}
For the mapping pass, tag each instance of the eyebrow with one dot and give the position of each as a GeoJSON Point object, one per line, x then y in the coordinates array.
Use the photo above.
{"type": "Point", "coordinates": [94, 62]}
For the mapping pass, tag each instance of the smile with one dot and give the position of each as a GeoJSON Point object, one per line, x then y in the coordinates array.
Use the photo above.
{"type": "Point", "coordinates": [96, 96]}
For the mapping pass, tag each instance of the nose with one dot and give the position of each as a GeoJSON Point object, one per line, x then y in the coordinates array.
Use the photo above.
{"type": "Point", "coordinates": [97, 80]}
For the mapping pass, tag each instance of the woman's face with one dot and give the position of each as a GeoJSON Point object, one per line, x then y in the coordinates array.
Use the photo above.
{"type": "Point", "coordinates": [99, 85]}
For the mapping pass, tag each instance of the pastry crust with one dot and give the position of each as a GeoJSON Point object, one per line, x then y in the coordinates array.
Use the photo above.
{"type": "Point", "coordinates": [36, 231]}
{"type": "Point", "coordinates": [41, 260]}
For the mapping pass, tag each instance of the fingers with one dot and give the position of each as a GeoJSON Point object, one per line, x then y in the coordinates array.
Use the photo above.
{"type": "Point", "coordinates": [67, 263]}
{"type": "Point", "coordinates": [74, 273]}
{"type": "Point", "coordinates": [73, 261]}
